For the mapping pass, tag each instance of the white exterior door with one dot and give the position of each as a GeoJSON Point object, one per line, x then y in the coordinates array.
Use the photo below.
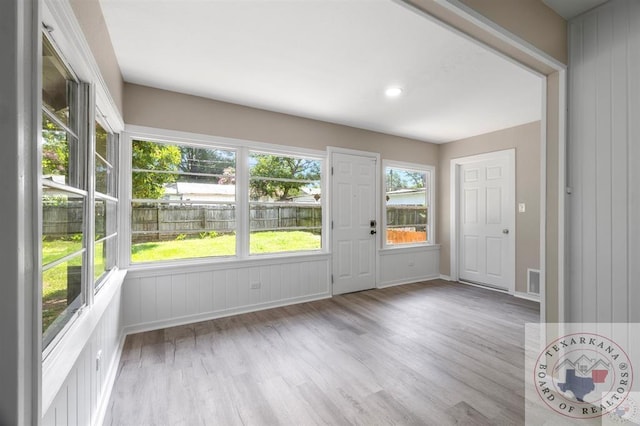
{"type": "Point", "coordinates": [486, 242]}
{"type": "Point", "coordinates": [353, 209]}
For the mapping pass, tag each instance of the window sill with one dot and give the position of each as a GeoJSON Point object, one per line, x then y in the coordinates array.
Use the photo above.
{"type": "Point", "coordinates": [408, 248]}
{"type": "Point", "coordinates": [60, 361]}
{"type": "Point", "coordinates": [212, 264]}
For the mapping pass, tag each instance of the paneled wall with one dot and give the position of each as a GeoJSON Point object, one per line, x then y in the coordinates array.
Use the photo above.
{"type": "Point", "coordinates": [604, 164]}
{"type": "Point", "coordinates": [82, 398]}
{"type": "Point", "coordinates": [159, 297]}
{"type": "Point", "coordinates": [408, 265]}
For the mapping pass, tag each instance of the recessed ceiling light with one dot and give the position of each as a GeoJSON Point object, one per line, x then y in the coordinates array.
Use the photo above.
{"type": "Point", "coordinates": [393, 92]}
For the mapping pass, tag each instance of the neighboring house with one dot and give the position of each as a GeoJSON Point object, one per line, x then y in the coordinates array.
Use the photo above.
{"type": "Point", "coordinates": [407, 197]}
{"type": "Point", "coordinates": [194, 192]}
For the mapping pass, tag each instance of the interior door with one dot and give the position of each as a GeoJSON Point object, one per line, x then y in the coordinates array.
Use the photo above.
{"type": "Point", "coordinates": [485, 228]}
{"type": "Point", "coordinates": [353, 232]}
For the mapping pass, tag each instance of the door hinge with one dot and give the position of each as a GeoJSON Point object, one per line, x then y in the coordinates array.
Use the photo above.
{"type": "Point", "coordinates": [331, 170]}
{"type": "Point", "coordinates": [331, 224]}
{"type": "Point", "coordinates": [331, 278]}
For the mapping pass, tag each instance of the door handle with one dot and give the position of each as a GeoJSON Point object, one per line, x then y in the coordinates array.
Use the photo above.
{"type": "Point", "coordinates": [373, 232]}
{"type": "Point", "coordinates": [505, 231]}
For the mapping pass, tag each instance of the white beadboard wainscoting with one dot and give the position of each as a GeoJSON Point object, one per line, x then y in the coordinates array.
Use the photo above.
{"type": "Point", "coordinates": [604, 154]}
{"type": "Point", "coordinates": [77, 385]}
{"type": "Point", "coordinates": [403, 265]}
{"type": "Point", "coordinates": [158, 297]}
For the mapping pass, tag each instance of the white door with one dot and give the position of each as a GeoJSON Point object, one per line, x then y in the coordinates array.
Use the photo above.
{"type": "Point", "coordinates": [486, 229]}
{"type": "Point", "coordinates": [353, 234]}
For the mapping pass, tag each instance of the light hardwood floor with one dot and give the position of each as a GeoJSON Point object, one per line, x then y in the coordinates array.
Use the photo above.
{"type": "Point", "coordinates": [429, 353]}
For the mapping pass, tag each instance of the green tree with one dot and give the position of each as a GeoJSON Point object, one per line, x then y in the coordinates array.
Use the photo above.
{"type": "Point", "coordinates": [150, 156]}
{"type": "Point", "coordinates": [202, 160]}
{"type": "Point", "coordinates": [281, 177]}
{"type": "Point", "coordinates": [403, 179]}
{"type": "Point", "coordinates": [55, 149]}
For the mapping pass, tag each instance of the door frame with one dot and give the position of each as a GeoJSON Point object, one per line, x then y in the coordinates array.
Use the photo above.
{"type": "Point", "coordinates": [456, 163]}
{"type": "Point", "coordinates": [331, 150]}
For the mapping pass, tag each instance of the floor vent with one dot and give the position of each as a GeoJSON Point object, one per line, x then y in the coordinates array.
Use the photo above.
{"type": "Point", "coordinates": [533, 281]}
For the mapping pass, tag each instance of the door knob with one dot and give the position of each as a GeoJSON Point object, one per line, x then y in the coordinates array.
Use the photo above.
{"type": "Point", "coordinates": [373, 232]}
{"type": "Point", "coordinates": [505, 231]}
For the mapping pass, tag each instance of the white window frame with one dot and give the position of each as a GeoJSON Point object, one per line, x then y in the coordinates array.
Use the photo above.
{"type": "Point", "coordinates": [242, 148]}
{"type": "Point", "coordinates": [113, 198]}
{"type": "Point", "coordinates": [59, 358]}
{"type": "Point", "coordinates": [431, 206]}
{"type": "Point", "coordinates": [289, 153]}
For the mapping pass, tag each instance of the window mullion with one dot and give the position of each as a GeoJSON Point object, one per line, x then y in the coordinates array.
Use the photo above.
{"type": "Point", "coordinates": [87, 110]}
{"type": "Point", "coordinates": [242, 203]}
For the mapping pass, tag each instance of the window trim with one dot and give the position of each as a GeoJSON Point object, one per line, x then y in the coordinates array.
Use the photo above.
{"type": "Point", "coordinates": [431, 207]}
{"type": "Point", "coordinates": [81, 95]}
{"type": "Point", "coordinates": [242, 148]}
{"type": "Point", "coordinates": [322, 162]}
{"type": "Point", "coordinates": [59, 358]}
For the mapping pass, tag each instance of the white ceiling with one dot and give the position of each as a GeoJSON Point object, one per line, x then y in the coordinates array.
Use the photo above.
{"type": "Point", "coordinates": [327, 60]}
{"type": "Point", "coordinates": [571, 8]}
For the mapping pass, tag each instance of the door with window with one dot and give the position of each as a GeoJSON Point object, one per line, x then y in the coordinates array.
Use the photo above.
{"type": "Point", "coordinates": [354, 226]}
{"type": "Point", "coordinates": [486, 239]}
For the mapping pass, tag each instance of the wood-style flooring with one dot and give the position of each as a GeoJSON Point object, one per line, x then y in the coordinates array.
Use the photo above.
{"type": "Point", "coordinates": [433, 353]}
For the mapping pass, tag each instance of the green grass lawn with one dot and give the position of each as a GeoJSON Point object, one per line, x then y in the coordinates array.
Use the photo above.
{"type": "Point", "coordinates": [55, 280]}
{"type": "Point", "coordinates": [224, 245]}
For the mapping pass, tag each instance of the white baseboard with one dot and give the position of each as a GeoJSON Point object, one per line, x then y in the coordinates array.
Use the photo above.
{"type": "Point", "coordinates": [527, 296]}
{"type": "Point", "coordinates": [497, 290]}
{"type": "Point", "coordinates": [190, 319]}
{"type": "Point", "coordinates": [407, 281]}
{"type": "Point", "coordinates": [445, 277]}
{"type": "Point", "coordinates": [107, 387]}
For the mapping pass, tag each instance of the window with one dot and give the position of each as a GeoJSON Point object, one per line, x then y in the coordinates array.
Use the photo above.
{"type": "Point", "coordinates": [183, 201]}
{"type": "Point", "coordinates": [106, 203]}
{"type": "Point", "coordinates": [64, 196]}
{"type": "Point", "coordinates": [285, 209]}
{"type": "Point", "coordinates": [408, 203]}
{"type": "Point", "coordinates": [187, 201]}
{"type": "Point", "coordinates": [79, 198]}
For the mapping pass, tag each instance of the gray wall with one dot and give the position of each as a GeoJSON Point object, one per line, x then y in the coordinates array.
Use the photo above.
{"type": "Point", "coordinates": [604, 154]}
{"type": "Point", "coordinates": [526, 141]}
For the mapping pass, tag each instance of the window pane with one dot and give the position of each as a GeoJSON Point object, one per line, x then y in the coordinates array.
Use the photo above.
{"type": "Point", "coordinates": [62, 224]}
{"type": "Point", "coordinates": [105, 161]}
{"type": "Point", "coordinates": [58, 153]}
{"type": "Point", "coordinates": [286, 209]}
{"type": "Point", "coordinates": [167, 231]}
{"type": "Point", "coordinates": [105, 217]}
{"type": "Point", "coordinates": [183, 188]}
{"type": "Point", "coordinates": [104, 257]}
{"type": "Point", "coordinates": [103, 176]}
{"type": "Point", "coordinates": [406, 206]}
{"type": "Point", "coordinates": [58, 87]}
{"type": "Point", "coordinates": [102, 142]}
{"type": "Point", "coordinates": [61, 296]}
{"type": "Point", "coordinates": [174, 172]}
{"type": "Point", "coordinates": [218, 162]}
{"type": "Point", "coordinates": [101, 219]}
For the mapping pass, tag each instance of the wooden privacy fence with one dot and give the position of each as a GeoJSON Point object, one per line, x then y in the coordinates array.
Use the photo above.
{"type": "Point", "coordinates": [406, 224]}
{"type": "Point", "coordinates": [166, 222]}
{"type": "Point", "coordinates": [159, 223]}
{"type": "Point", "coordinates": [60, 221]}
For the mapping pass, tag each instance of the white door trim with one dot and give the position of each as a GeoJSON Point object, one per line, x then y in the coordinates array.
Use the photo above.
{"type": "Point", "coordinates": [329, 207]}
{"type": "Point", "coordinates": [510, 155]}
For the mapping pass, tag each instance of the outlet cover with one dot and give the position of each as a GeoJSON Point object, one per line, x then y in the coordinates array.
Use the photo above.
{"type": "Point", "coordinates": [522, 207]}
